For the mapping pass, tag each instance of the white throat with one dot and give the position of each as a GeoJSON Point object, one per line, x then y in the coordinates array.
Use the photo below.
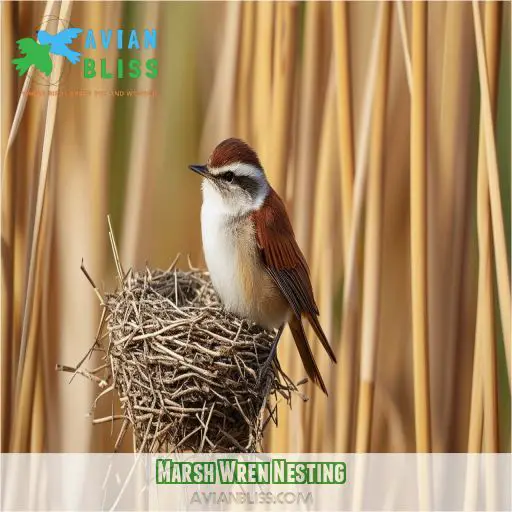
{"type": "Point", "coordinates": [221, 215]}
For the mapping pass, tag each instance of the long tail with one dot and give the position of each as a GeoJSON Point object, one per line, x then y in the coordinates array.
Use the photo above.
{"type": "Point", "coordinates": [22, 65]}
{"type": "Point", "coordinates": [313, 320]}
{"type": "Point", "coordinates": [305, 352]}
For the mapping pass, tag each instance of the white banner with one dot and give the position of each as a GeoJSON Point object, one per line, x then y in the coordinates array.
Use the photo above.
{"type": "Point", "coordinates": [328, 481]}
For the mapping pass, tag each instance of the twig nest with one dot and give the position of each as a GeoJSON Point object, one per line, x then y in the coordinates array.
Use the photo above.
{"type": "Point", "coordinates": [190, 376]}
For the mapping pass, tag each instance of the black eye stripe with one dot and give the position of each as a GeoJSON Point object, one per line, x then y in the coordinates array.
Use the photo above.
{"type": "Point", "coordinates": [247, 183]}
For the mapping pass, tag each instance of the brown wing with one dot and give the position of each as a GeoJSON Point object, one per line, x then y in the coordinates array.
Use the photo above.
{"type": "Point", "coordinates": [286, 263]}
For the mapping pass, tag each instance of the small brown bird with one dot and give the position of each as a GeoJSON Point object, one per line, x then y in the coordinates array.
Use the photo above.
{"type": "Point", "coordinates": [254, 261]}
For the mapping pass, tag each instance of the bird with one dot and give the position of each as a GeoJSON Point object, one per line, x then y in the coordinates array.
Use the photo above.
{"type": "Point", "coordinates": [254, 260]}
{"type": "Point", "coordinates": [35, 54]}
{"type": "Point", "coordinates": [58, 42]}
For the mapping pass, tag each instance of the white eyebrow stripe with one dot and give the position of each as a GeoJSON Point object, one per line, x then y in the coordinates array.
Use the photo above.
{"type": "Point", "coordinates": [239, 168]}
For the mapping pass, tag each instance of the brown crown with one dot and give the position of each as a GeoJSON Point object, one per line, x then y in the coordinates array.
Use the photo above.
{"type": "Point", "coordinates": [233, 150]}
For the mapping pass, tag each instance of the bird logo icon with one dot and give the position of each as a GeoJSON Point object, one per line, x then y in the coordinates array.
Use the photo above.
{"type": "Point", "coordinates": [37, 53]}
{"type": "Point", "coordinates": [58, 43]}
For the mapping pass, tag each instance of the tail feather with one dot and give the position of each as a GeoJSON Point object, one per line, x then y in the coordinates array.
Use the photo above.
{"type": "Point", "coordinates": [313, 320]}
{"type": "Point", "coordinates": [305, 353]}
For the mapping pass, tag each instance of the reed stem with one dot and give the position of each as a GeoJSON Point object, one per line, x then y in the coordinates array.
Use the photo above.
{"type": "Point", "coordinates": [484, 368]}
{"type": "Point", "coordinates": [498, 229]}
{"type": "Point", "coordinates": [372, 246]}
{"type": "Point", "coordinates": [419, 229]}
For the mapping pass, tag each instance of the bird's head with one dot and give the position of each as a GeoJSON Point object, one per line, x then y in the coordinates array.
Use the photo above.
{"type": "Point", "coordinates": [234, 180]}
{"type": "Point", "coordinates": [43, 37]}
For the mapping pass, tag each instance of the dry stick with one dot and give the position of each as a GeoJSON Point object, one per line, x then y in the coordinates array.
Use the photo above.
{"type": "Point", "coordinates": [345, 373]}
{"type": "Point", "coordinates": [419, 229]}
{"type": "Point", "coordinates": [484, 367]}
{"type": "Point", "coordinates": [115, 252]}
{"type": "Point", "coordinates": [372, 246]}
{"type": "Point", "coordinates": [344, 111]}
{"type": "Point", "coordinates": [498, 230]}
{"type": "Point", "coordinates": [51, 112]}
{"type": "Point", "coordinates": [89, 278]}
{"type": "Point", "coordinates": [96, 341]}
{"type": "Point", "coordinates": [70, 369]}
{"type": "Point", "coordinates": [282, 92]}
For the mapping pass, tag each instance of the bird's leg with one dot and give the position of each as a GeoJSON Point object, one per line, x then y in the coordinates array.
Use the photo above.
{"type": "Point", "coordinates": [272, 353]}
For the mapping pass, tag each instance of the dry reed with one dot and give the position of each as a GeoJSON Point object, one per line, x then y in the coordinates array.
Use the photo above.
{"type": "Point", "coordinates": [373, 240]}
{"type": "Point", "coordinates": [419, 229]}
{"type": "Point", "coordinates": [484, 391]}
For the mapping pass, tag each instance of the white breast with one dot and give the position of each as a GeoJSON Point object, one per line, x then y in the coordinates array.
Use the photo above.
{"type": "Point", "coordinates": [220, 253]}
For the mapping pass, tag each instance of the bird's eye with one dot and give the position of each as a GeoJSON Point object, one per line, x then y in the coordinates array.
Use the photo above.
{"type": "Point", "coordinates": [228, 176]}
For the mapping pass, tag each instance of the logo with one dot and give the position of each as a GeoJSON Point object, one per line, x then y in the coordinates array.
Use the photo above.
{"type": "Point", "coordinates": [96, 47]}
{"type": "Point", "coordinates": [37, 53]}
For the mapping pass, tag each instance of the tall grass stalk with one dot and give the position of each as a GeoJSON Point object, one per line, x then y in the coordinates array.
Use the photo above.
{"type": "Point", "coordinates": [245, 76]}
{"type": "Point", "coordinates": [219, 121]}
{"type": "Point", "coordinates": [402, 24]}
{"type": "Point", "coordinates": [285, 54]}
{"type": "Point", "coordinates": [322, 273]}
{"type": "Point", "coordinates": [372, 245]}
{"type": "Point", "coordinates": [10, 299]}
{"type": "Point", "coordinates": [262, 76]}
{"type": "Point", "coordinates": [498, 229]}
{"type": "Point", "coordinates": [346, 371]}
{"type": "Point", "coordinates": [485, 346]}
{"type": "Point", "coordinates": [309, 124]}
{"type": "Point", "coordinates": [139, 176]}
{"type": "Point", "coordinates": [30, 302]}
{"type": "Point", "coordinates": [419, 230]}
{"type": "Point", "coordinates": [340, 28]}
{"type": "Point", "coordinates": [449, 193]}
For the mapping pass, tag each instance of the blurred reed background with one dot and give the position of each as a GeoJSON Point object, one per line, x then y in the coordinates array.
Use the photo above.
{"type": "Point", "coordinates": [374, 121]}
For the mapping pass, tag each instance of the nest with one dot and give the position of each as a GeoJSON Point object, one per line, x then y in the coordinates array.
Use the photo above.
{"type": "Point", "coordinates": [189, 375]}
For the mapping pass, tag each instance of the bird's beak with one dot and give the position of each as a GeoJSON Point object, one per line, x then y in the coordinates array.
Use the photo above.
{"type": "Point", "coordinates": [200, 169]}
